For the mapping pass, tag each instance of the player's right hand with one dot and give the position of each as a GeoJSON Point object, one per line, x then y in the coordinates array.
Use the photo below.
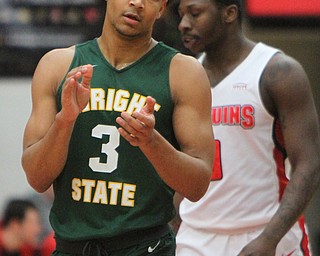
{"type": "Point", "coordinates": [76, 92]}
{"type": "Point", "coordinates": [138, 128]}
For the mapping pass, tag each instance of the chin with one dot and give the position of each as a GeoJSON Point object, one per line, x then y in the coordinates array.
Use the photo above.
{"type": "Point", "coordinates": [196, 50]}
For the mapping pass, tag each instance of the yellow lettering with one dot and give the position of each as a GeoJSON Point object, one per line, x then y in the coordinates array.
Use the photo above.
{"type": "Point", "coordinates": [157, 107]}
{"type": "Point", "coordinates": [76, 190]}
{"type": "Point", "coordinates": [136, 104]}
{"type": "Point", "coordinates": [116, 100]}
{"type": "Point", "coordinates": [100, 195]}
{"type": "Point", "coordinates": [128, 195]}
{"type": "Point", "coordinates": [100, 192]}
{"type": "Point", "coordinates": [110, 99]}
{"type": "Point", "coordinates": [115, 187]}
{"type": "Point", "coordinates": [98, 99]}
{"type": "Point", "coordinates": [121, 100]}
{"type": "Point", "coordinates": [88, 185]}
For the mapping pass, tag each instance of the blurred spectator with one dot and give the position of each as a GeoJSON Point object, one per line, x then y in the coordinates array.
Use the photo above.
{"type": "Point", "coordinates": [20, 228]}
{"type": "Point", "coordinates": [43, 201]}
{"type": "Point", "coordinates": [48, 245]}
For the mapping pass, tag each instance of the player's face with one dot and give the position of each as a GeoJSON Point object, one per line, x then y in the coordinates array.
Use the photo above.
{"type": "Point", "coordinates": [200, 24]}
{"type": "Point", "coordinates": [31, 227]}
{"type": "Point", "coordinates": [132, 18]}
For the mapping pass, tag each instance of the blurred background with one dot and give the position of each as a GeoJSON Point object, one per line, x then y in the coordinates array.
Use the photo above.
{"type": "Point", "coordinates": [30, 28]}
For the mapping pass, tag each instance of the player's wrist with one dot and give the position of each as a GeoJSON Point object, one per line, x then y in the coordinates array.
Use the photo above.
{"type": "Point", "coordinates": [64, 120]}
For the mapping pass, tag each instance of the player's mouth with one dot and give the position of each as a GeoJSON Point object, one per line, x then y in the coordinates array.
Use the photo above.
{"type": "Point", "coordinates": [132, 18]}
{"type": "Point", "coordinates": [189, 41]}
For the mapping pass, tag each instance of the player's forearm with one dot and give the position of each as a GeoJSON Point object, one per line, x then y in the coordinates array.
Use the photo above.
{"type": "Point", "coordinates": [188, 175]}
{"type": "Point", "coordinates": [294, 201]}
{"type": "Point", "coordinates": [44, 160]}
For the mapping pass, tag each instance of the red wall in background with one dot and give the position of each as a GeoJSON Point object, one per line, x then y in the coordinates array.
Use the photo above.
{"type": "Point", "coordinates": [283, 8]}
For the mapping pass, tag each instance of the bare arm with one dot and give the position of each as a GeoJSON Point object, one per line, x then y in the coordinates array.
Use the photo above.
{"type": "Point", "coordinates": [187, 171]}
{"type": "Point", "coordinates": [287, 94]}
{"type": "Point", "coordinates": [47, 133]}
{"type": "Point", "coordinates": [176, 221]}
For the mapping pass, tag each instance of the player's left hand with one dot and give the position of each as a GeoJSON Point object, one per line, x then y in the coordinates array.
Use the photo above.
{"type": "Point", "coordinates": [138, 128]}
{"type": "Point", "coordinates": [259, 247]}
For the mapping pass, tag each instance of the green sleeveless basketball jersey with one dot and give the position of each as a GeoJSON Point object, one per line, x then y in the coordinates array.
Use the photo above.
{"type": "Point", "coordinates": [107, 186]}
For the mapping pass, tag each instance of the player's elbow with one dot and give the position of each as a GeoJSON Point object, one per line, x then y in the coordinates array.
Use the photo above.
{"type": "Point", "coordinates": [33, 177]}
{"type": "Point", "coordinates": [195, 197]}
{"type": "Point", "coordinates": [200, 188]}
{"type": "Point", "coordinates": [37, 183]}
{"type": "Point", "coordinates": [40, 187]}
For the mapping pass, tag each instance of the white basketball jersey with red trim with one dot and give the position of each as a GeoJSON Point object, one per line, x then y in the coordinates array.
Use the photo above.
{"type": "Point", "coordinates": [248, 176]}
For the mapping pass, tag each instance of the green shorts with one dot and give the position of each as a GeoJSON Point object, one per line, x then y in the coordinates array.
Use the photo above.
{"type": "Point", "coordinates": [163, 246]}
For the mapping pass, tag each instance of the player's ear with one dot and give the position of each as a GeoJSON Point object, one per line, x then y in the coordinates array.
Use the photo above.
{"type": "Point", "coordinates": [162, 8]}
{"type": "Point", "coordinates": [230, 13]}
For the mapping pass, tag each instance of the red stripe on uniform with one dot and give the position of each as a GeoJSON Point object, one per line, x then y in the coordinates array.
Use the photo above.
{"type": "Point", "coordinates": [305, 239]}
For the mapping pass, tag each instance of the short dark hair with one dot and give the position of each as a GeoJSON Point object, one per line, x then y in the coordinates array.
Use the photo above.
{"type": "Point", "coordinates": [229, 2]}
{"type": "Point", "coordinates": [238, 3]}
{"type": "Point", "coordinates": [16, 210]}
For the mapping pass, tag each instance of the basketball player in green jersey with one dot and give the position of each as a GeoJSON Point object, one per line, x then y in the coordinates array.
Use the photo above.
{"type": "Point", "coordinates": [118, 125]}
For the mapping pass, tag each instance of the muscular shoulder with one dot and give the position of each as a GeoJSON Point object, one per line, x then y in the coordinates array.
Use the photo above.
{"type": "Point", "coordinates": [282, 77]}
{"type": "Point", "coordinates": [282, 67]}
{"type": "Point", "coordinates": [54, 65]}
{"type": "Point", "coordinates": [185, 64]}
{"type": "Point", "coordinates": [60, 55]}
{"type": "Point", "coordinates": [187, 74]}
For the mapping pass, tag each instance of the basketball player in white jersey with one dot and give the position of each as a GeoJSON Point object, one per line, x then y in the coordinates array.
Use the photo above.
{"type": "Point", "coordinates": [265, 123]}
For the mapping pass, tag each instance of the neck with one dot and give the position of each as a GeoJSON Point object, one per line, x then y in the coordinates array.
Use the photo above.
{"type": "Point", "coordinates": [121, 50]}
{"type": "Point", "coordinates": [229, 51]}
{"type": "Point", "coordinates": [221, 60]}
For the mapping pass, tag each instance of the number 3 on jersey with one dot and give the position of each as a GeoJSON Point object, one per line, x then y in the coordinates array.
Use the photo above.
{"type": "Point", "coordinates": [108, 149]}
{"type": "Point", "coordinates": [217, 166]}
